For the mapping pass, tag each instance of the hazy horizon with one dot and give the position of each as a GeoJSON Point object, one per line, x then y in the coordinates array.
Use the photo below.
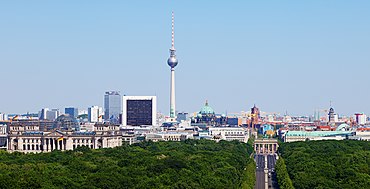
{"type": "Point", "coordinates": [282, 56]}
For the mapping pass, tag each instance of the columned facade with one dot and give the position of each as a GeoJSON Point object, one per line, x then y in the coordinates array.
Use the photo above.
{"type": "Point", "coordinates": [32, 141]}
{"type": "Point", "coordinates": [265, 146]}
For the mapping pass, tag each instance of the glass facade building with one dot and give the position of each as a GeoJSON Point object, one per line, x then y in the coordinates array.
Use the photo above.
{"type": "Point", "coordinates": [139, 110]}
{"type": "Point", "coordinates": [112, 106]}
{"type": "Point", "coordinates": [71, 111]}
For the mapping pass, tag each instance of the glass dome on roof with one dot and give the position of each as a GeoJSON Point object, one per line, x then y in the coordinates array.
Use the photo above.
{"type": "Point", "coordinates": [66, 122]}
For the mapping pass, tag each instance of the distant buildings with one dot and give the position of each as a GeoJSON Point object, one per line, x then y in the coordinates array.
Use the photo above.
{"type": "Point", "coordinates": [333, 117]}
{"type": "Point", "coordinates": [95, 114]}
{"type": "Point", "coordinates": [139, 110]}
{"type": "Point", "coordinates": [71, 111]}
{"type": "Point", "coordinates": [255, 116]}
{"type": "Point", "coordinates": [3, 117]}
{"type": "Point", "coordinates": [27, 137]}
{"type": "Point", "coordinates": [206, 115]}
{"type": "Point", "coordinates": [182, 116]}
{"type": "Point", "coordinates": [47, 114]}
{"type": "Point", "coordinates": [229, 133]}
{"type": "Point", "coordinates": [360, 118]}
{"type": "Point", "coordinates": [112, 106]}
{"type": "Point", "coordinates": [3, 136]}
{"type": "Point", "coordinates": [42, 113]}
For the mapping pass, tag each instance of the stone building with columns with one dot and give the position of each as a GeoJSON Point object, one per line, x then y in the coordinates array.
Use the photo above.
{"type": "Point", "coordinates": [266, 146]}
{"type": "Point", "coordinates": [27, 137]}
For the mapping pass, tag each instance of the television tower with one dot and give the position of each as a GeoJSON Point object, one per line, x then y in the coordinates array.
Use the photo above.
{"type": "Point", "coordinates": [172, 62]}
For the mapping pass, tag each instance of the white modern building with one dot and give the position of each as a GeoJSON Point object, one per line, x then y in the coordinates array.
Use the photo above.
{"type": "Point", "coordinates": [95, 114]}
{"type": "Point", "coordinates": [360, 118]}
{"type": "Point", "coordinates": [139, 110]}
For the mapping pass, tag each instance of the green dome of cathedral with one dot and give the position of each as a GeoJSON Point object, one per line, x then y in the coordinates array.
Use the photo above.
{"type": "Point", "coordinates": [206, 109]}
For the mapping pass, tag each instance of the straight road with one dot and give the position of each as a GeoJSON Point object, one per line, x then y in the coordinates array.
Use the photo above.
{"type": "Point", "coordinates": [260, 174]}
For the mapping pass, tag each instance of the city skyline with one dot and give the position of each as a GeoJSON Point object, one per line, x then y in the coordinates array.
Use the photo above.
{"type": "Point", "coordinates": [285, 56]}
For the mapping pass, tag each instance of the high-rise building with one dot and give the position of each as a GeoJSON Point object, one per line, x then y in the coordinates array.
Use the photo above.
{"type": "Point", "coordinates": [42, 113]}
{"type": "Point", "coordinates": [71, 111]}
{"type": "Point", "coordinates": [112, 106]}
{"type": "Point", "coordinates": [52, 114]}
{"type": "Point", "coordinates": [95, 114]}
{"type": "Point", "coordinates": [172, 62]}
{"type": "Point", "coordinates": [139, 110]}
{"type": "Point", "coordinates": [360, 118]}
{"type": "Point", "coordinates": [333, 117]}
{"type": "Point", "coordinates": [47, 114]}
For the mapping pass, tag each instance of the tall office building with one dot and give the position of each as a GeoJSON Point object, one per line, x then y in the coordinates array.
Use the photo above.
{"type": "Point", "coordinates": [95, 114]}
{"type": "Point", "coordinates": [360, 118]}
{"type": "Point", "coordinates": [172, 62]}
{"type": "Point", "coordinates": [47, 114]}
{"type": "Point", "coordinates": [112, 106]}
{"type": "Point", "coordinates": [42, 113]}
{"type": "Point", "coordinates": [71, 111]}
{"type": "Point", "coordinates": [52, 114]}
{"type": "Point", "coordinates": [139, 110]}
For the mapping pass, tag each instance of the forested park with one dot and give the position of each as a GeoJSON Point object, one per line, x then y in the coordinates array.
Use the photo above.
{"type": "Point", "coordinates": [187, 164]}
{"type": "Point", "coordinates": [326, 164]}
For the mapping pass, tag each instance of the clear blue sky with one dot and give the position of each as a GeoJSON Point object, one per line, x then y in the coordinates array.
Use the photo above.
{"type": "Point", "coordinates": [281, 55]}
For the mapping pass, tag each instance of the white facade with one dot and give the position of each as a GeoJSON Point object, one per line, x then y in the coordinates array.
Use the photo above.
{"type": "Point", "coordinates": [82, 112]}
{"type": "Point", "coordinates": [27, 138]}
{"type": "Point", "coordinates": [169, 136]}
{"type": "Point", "coordinates": [229, 133]}
{"type": "Point", "coordinates": [95, 114]}
{"type": "Point", "coordinates": [125, 112]}
{"type": "Point", "coordinates": [3, 117]}
{"type": "Point", "coordinates": [360, 119]}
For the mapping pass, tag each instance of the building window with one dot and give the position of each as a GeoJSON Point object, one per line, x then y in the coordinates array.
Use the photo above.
{"type": "Point", "coordinates": [24, 147]}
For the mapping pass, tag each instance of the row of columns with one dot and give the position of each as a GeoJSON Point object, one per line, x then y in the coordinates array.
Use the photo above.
{"type": "Point", "coordinates": [51, 144]}
{"type": "Point", "coordinates": [269, 148]}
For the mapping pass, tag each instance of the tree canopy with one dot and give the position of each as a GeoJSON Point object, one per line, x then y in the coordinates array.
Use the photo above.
{"type": "Point", "coordinates": [328, 164]}
{"type": "Point", "coordinates": [187, 164]}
